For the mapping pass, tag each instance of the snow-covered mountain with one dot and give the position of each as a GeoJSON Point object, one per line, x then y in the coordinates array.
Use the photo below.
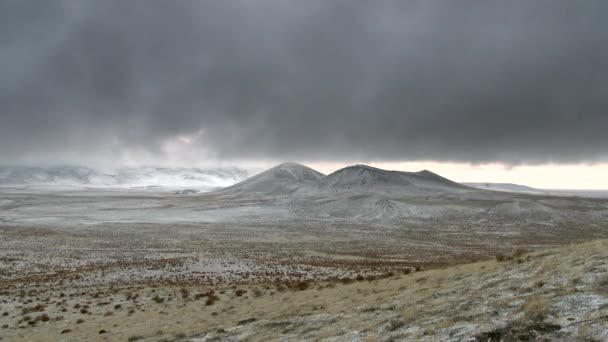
{"type": "Point", "coordinates": [69, 177]}
{"type": "Point", "coordinates": [301, 180]}
{"type": "Point", "coordinates": [281, 179]}
{"type": "Point", "coordinates": [367, 193]}
{"type": "Point", "coordinates": [363, 178]}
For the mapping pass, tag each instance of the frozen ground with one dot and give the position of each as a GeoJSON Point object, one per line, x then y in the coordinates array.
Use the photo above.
{"type": "Point", "coordinates": [556, 295]}
{"type": "Point", "coordinates": [287, 222]}
{"type": "Point", "coordinates": [285, 226]}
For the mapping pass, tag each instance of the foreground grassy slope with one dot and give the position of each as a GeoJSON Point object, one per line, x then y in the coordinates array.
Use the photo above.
{"type": "Point", "coordinates": [559, 294]}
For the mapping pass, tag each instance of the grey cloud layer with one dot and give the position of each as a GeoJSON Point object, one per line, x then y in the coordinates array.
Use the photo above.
{"type": "Point", "coordinates": [510, 81]}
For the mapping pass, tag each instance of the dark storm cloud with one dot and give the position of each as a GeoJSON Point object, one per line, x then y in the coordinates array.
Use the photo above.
{"type": "Point", "coordinates": [474, 81]}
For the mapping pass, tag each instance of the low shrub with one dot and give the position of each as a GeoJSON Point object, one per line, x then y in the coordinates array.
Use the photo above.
{"type": "Point", "coordinates": [302, 285]}
{"type": "Point", "coordinates": [518, 252]}
{"type": "Point", "coordinates": [346, 281]}
{"type": "Point", "coordinates": [185, 294]}
{"type": "Point", "coordinates": [395, 324]}
{"type": "Point", "coordinates": [211, 299]}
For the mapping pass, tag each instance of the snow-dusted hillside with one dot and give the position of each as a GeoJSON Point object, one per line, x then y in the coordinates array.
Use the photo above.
{"type": "Point", "coordinates": [302, 181]}
{"type": "Point", "coordinates": [365, 178]}
{"type": "Point", "coordinates": [68, 177]}
{"type": "Point", "coordinates": [366, 193]}
{"type": "Point", "coordinates": [279, 180]}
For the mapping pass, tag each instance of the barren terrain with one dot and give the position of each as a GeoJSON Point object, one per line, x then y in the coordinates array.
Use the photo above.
{"type": "Point", "coordinates": [293, 253]}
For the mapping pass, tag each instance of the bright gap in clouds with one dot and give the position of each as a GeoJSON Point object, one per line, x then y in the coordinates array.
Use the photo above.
{"type": "Point", "coordinates": [540, 176]}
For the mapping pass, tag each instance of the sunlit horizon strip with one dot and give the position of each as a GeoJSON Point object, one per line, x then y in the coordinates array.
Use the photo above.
{"type": "Point", "coordinates": [558, 176]}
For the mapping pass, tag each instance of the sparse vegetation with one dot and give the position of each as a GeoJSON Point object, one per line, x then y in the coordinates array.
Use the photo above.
{"type": "Point", "coordinates": [378, 287]}
{"type": "Point", "coordinates": [518, 252]}
{"type": "Point", "coordinates": [211, 299]}
{"type": "Point", "coordinates": [500, 257]}
{"type": "Point", "coordinates": [535, 308]}
{"type": "Point", "coordinates": [601, 285]}
{"type": "Point", "coordinates": [42, 318]}
{"type": "Point", "coordinates": [395, 324]}
{"type": "Point", "coordinates": [158, 299]}
{"type": "Point", "coordinates": [302, 285]}
{"type": "Point", "coordinates": [37, 308]}
{"type": "Point", "coordinates": [184, 293]}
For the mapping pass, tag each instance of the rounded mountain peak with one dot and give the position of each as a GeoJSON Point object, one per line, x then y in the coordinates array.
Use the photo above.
{"type": "Point", "coordinates": [281, 179]}
{"type": "Point", "coordinates": [370, 179]}
{"type": "Point", "coordinates": [294, 171]}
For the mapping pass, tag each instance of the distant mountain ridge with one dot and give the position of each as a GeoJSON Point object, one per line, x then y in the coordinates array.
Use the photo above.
{"type": "Point", "coordinates": [73, 177]}
{"type": "Point", "coordinates": [357, 192]}
{"type": "Point", "coordinates": [505, 187]}
{"type": "Point", "coordinates": [510, 187]}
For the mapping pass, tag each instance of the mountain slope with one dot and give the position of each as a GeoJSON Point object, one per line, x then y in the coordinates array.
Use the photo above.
{"type": "Point", "coordinates": [524, 298]}
{"type": "Point", "coordinates": [279, 180]}
{"type": "Point", "coordinates": [365, 178]}
{"type": "Point", "coordinates": [357, 192]}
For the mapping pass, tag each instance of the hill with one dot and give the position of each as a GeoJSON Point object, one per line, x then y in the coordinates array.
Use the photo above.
{"type": "Point", "coordinates": [365, 193]}
{"type": "Point", "coordinates": [370, 179]}
{"type": "Point", "coordinates": [522, 297]}
{"type": "Point", "coordinates": [279, 180]}
{"type": "Point", "coordinates": [300, 180]}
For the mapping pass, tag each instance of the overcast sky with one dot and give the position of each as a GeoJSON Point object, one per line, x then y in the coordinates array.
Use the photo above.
{"type": "Point", "coordinates": [512, 82]}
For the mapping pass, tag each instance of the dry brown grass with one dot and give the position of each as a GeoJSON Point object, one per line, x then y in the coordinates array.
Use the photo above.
{"type": "Point", "coordinates": [158, 299]}
{"type": "Point", "coordinates": [185, 294]}
{"type": "Point", "coordinates": [535, 308]}
{"type": "Point", "coordinates": [601, 285]}
{"type": "Point", "coordinates": [518, 252]}
{"type": "Point", "coordinates": [396, 324]}
{"type": "Point", "coordinates": [521, 296]}
{"type": "Point", "coordinates": [211, 299]}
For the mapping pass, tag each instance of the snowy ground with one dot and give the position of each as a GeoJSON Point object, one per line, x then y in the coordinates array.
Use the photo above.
{"type": "Point", "coordinates": [309, 235]}
{"type": "Point", "coordinates": [556, 295]}
{"type": "Point", "coordinates": [286, 227]}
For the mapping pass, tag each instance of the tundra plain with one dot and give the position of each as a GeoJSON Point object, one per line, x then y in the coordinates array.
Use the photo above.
{"type": "Point", "coordinates": [334, 253]}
